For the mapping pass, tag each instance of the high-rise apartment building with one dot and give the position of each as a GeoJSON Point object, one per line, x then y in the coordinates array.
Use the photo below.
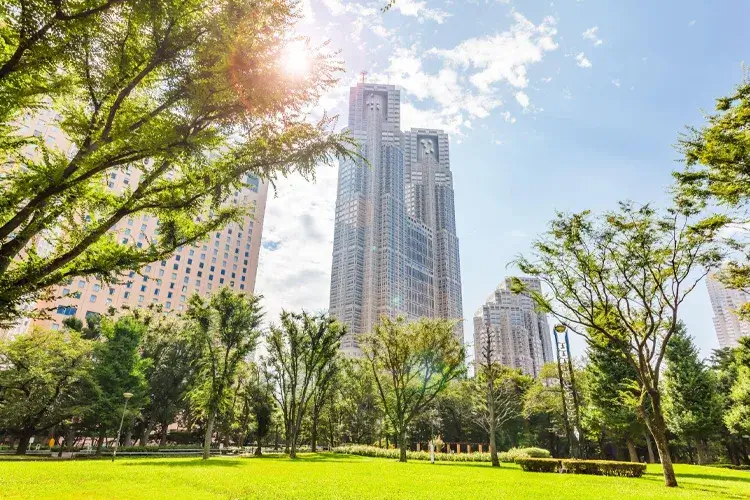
{"type": "Point", "coordinates": [519, 335]}
{"type": "Point", "coordinates": [395, 249]}
{"type": "Point", "coordinates": [725, 301]}
{"type": "Point", "coordinates": [226, 258]}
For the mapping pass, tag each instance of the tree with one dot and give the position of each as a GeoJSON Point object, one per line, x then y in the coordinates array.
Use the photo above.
{"type": "Point", "coordinates": [494, 396]}
{"type": "Point", "coordinates": [360, 403]}
{"type": "Point", "coordinates": [188, 97]}
{"type": "Point", "coordinates": [170, 373]}
{"type": "Point", "coordinates": [624, 276]}
{"type": "Point", "coordinates": [45, 379]}
{"type": "Point", "coordinates": [716, 157]}
{"type": "Point", "coordinates": [611, 397]}
{"type": "Point", "coordinates": [691, 403]}
{"type": "Point", "coordinates": [725, 366]}
{"type": "Point", "coordinates": [324, 385]}
{"type": "Point", "coordinates": [412, 363]}
{"type": "Point", "coordinates": [302, 350]}
{"type": "Point", "coordinates": [542, 407]}
{"type": "Point", "coordinates": [226, 328]}
{"type": "Point", "coordinates": [118, 368]}
{"type": "Point", "coordinates": [737, 418]}
{"type": "Point", "coordinates": [261, 402]}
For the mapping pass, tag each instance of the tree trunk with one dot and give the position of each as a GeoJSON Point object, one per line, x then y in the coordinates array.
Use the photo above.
{"type": "Point", "coordinates": [208, 435]}
{"type": "Point", "coordinates": [402, 444]}
{"type": "Point", "coordinates": [128, 441]}
{"type": "Point", "coordinates": [631, 449]}
{"type": "Point", "coordinates": [70, 438]}
{"type": "Point", "coordinates": [658, 431]}
{"type": "Point", "coordinates": [164, 431]}
{"type": "Point", "coordinates": [314, 432]}
{"type": "Point", "coordinates": [702, 451]}
{"type": "Point", "coordinates": [100, 443]}
{"type": "Point", "coordinates": [23, 441]}
{"type": "Point", "coordinates": [258, 450]}
{"type": "Point", "coordinates": [651, 457]}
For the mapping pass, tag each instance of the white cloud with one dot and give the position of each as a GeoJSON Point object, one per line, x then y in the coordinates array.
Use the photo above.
{"type": "Point", "coordinates": [335, 7]}
{"type": "Point", "coordinates": [547, 79]}
{"type": "Point", "coordinates": [592, 34]}
{"type": "Point", "coordinates": [691, 23]}
{"type": "Point", "coordinates": [419, 9]}
{"type": "Point", "coordinates": [581, 61]}
{"type": "Point", "coordinates": [381, 31]}
{"type": "Point", "coordinates": [616, 82]}
{"type": "Point", "coordinates": [295, 260]}
{"type": "Point", "coordinates": [522, 99]}
{"type": "Point", "coordinates": [505, 56]}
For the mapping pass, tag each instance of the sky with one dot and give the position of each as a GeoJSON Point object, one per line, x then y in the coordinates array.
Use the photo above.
{"type": "Point", "coordinates": [564, 105]}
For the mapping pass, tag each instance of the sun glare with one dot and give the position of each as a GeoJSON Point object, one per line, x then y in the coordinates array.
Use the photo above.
{"type": "Point", "coordinates": [296, 58]}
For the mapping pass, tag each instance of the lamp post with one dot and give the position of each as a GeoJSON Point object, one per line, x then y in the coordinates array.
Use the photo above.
{"type": "Point", "coordinates": [127, 397]}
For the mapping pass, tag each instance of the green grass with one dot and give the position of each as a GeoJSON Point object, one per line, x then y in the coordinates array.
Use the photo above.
{"type": "Point", "coordinates": [324, 476]}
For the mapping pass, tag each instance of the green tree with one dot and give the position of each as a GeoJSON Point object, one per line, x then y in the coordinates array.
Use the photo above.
{"type": "Point", "coordinates": [725, 364]}
{"type": "Point", "coordinates": [45, 379]}
{"type": "Point", "coordinates": [187, 97]}
{"type": "Point", "coordinates": [118, 368]}
{"type": "Point", "coordinates": [624, 276]}
{"type": "Point", "coordinates": [412, 363]}
{"type": "Point", "coordinates": [360, 403]}
{"type": "Point", "coordinates": [261, 403]}
{"type": "Point", "coordinates": [737, 418]}
{"type": "Point", "coordinates": [227, 327]}
{"type": "Point", "coordinates": [542, 407]}
{"type": "Point", "coordinates": [611, 394]}
{"type": "Point", "coordinates": [302, 352]}
{"type": "Point", "coordinates": [691, 404]}
{"type": "Point", "coordinates": [170, 372]}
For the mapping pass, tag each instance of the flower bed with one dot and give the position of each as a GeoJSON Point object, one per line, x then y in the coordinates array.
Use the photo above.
{"type": "Point", "coordinates": [373, 451]}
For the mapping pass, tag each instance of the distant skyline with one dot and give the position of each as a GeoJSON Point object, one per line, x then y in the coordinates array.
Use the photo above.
{"type": "Point", "coordinates": [563, 105]}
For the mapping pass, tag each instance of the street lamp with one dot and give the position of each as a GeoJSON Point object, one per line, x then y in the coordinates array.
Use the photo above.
{"type": "Point", "coordinates": [127, 396]}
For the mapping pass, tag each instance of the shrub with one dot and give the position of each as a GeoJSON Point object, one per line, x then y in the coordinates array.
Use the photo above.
{"type": "Point", "coordinates": [593, 467]}
{"type": "Point", "coordinates": [373, 451]}
{"type": "Point", "coordinates": [604, 468]}
{"type": "Point", "coordinates": [511, 455]}
{"type": "Point", "coordinates": [539, 464]}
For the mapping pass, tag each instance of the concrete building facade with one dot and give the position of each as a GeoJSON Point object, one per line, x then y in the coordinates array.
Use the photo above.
{"type": "Point", "coordinates": [395, 249]}
{"type": "Point", "coordinates": [226, 258]}
{"type": "Point", "coordinates": [725, 301]}
{"type": "Point", "coordinates": [518, 334]}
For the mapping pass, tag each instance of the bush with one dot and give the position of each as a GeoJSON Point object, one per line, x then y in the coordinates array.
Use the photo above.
{"type": "Point", "coordinates": [539, 464]}
{"type": "Point", "coordinates": [592, 467]}
{"type": "Point", "coordinates": [511, 455]}
{"type": "Point", "coordinates": [374, 451]}
{"type": "Point", "coordinates": [604, 468]}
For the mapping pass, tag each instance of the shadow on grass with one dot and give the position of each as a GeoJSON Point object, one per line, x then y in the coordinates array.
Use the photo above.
{"type": "Point", "coordinates": [325, 457]}
{"type": "Point", "coordinates": [713, 477]}
{"type": "Point", "coordinates": [186, 462]}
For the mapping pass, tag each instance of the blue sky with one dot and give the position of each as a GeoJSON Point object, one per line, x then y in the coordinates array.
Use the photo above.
{"type": "Point", "coordinates": [562, 105]}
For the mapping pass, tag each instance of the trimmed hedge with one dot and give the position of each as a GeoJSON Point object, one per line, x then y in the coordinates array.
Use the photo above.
{"type": "Point", "coordinates": [511, 455]}
{"type": "Point", "coordinates": [539, 464]}
{"type": "Point", "coordinates": [592, 467]}
{"type": "Point", "coordinates": [506, 456]}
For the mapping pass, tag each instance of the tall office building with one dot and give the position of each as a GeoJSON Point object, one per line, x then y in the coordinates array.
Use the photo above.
{"type": "Point", "coordinates": [519, 335]}
{"type": "Point", "coordinates": [725, 301]}
{"type": "Point", "coordinates": [395, 249]}
{"type": "Point", "coordinates": [226, 258]}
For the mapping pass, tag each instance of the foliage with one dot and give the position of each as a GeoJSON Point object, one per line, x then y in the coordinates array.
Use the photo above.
{"type": "Point", "coordinates": [737, 418]}
{"type": "Point", "coordinates": [592, 467]}
{"type": "Point", "coordinates": [302, 351]}
{"type": "Point", "coordinates": [360, 403]}
{"type": "Point", "coordinates": [412, 364]}
{"type": "Point", "coordinates": [624, 276]}
{"type": "Point", "coordinates": [226, 328]}
{"type": "Point", "coordinates": [118, 369]}
{"type": "Point", "coordinates": [512, 454]}
{"type": "Point", "coordinates": [45, 379]}
{"type": "Point", "coordinates": [188, 97]}
{"type": "Point", "coordinates": [691, 404]}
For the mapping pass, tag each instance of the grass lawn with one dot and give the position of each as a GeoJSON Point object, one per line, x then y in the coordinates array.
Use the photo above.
{"type": "Point", "coordinates": [322, 476]}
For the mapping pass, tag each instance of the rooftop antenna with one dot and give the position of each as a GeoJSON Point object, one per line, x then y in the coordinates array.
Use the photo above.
{"type": "Point", "coordinates": [363, 74]}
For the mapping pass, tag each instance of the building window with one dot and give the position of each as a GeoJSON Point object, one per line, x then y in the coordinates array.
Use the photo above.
{"type": "Point", "coordinates": [111, 291]}
{"type": "Point", "coordinates": [156, 292]}
{"type": "Point", "coordinates": [66, 310]}
{"type": "Point", "coordinates": [55, 326]}
{"type": "Point", "coordinates": [143, 288]}
{"type": "Point", "coordinates": [176, 267]}
{"type": "Point", "coordinates": [81, 284]}
{"type": "Point", "coordinates": [127, 295]}
{"type": "Point", "coordinates": [92, 298]}
{"type": "Point", "coordinates": [140, 298]}
{"type": "Point", "coordinates": [168, 305]}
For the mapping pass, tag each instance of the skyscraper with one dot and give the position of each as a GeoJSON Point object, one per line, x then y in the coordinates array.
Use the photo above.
{"type": "Point", "coordinates": [226, 258]}
{"type": "Point", "coordinates": [395, 249]}
{"type": "Point", "coordinates": [519, 335]}
{"type": "Point", "coordinates": [725, 301]}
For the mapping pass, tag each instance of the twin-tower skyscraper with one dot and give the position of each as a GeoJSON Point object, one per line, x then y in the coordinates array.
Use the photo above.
{"type": "Point", "coordinates": [395, 249]}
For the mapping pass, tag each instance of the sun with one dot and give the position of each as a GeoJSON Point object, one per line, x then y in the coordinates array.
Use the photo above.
{"type": "Point", "coordinates": [296, 58]}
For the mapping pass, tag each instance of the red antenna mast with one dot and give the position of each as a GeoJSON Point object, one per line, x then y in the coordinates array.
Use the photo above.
{"type": "Point", "coordinates": [363, 74]}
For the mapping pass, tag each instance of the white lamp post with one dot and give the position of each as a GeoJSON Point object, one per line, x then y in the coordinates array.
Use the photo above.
{"type": "Point", "coordinates": [127, 397]}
